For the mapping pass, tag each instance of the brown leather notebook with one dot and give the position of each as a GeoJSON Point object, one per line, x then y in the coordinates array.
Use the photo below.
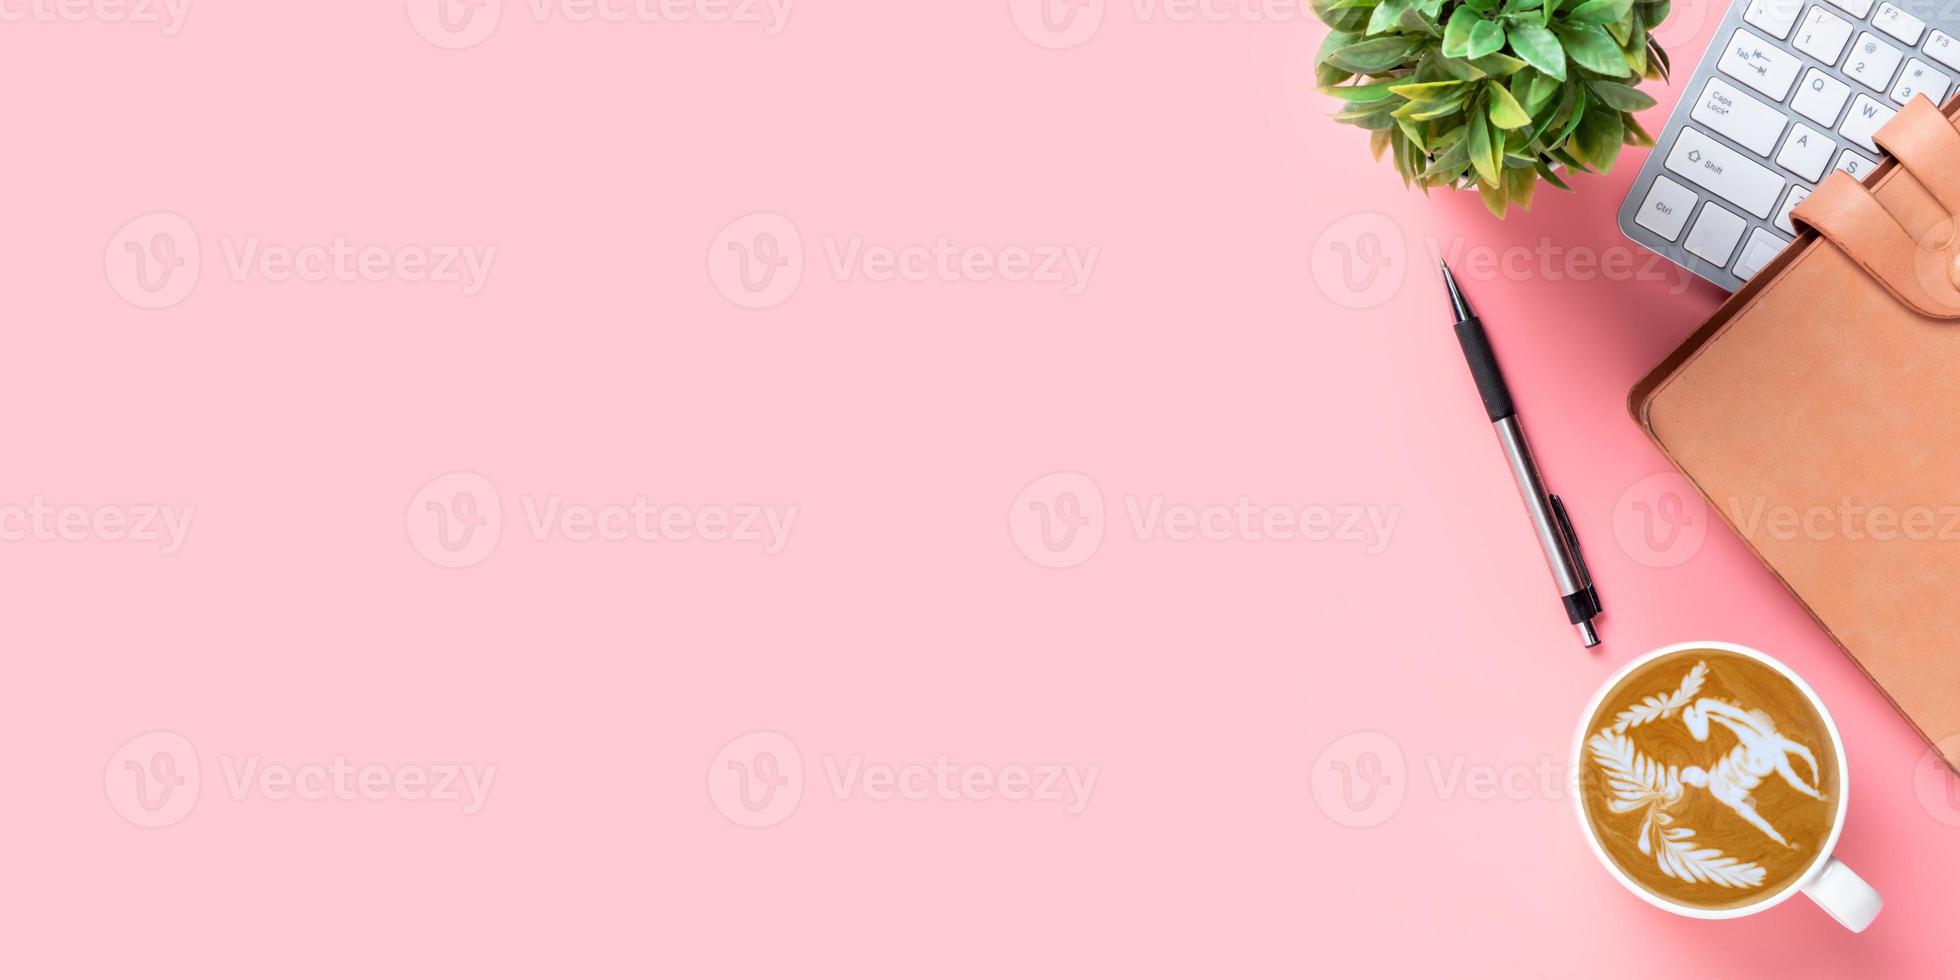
{"type": "Point", "coordinates": [1818, 411]}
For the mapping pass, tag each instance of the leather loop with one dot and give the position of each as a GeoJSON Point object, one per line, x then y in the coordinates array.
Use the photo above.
{"type": "Point", "coordinates": [1847, 215]}
{"type": "Point", "coordinates": [1923, 141]}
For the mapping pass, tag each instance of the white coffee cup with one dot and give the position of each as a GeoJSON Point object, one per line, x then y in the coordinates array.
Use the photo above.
{"type": "Point", "coordinates": [1828, 881]}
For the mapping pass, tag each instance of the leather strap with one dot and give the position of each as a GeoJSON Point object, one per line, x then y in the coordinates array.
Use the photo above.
{"type": "Point", "coordinates": [1924, 142]}
{"type": "Point", "coordinates": [1847, 215]}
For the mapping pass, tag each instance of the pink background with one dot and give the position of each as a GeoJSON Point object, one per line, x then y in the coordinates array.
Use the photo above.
{"type": "Point", "coordinates": [1213, 355]}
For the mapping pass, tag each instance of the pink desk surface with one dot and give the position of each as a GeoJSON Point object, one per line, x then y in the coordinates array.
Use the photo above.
{"type": "Point", "coordinates": [1140, 727]}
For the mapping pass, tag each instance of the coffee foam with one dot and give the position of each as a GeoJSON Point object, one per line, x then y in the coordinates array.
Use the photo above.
{"type": "Point", "coordinates": [1709, 779]}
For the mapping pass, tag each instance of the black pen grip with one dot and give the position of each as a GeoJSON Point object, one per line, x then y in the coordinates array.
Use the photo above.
{"type": "Point", "coordinates": [1483, 367]}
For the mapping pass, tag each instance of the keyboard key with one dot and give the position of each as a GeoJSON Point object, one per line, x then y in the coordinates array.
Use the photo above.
{"type": "Point", "coordinates": [1762, 247]}
{"type": "Point", "coordinates": [1759, 64]}
{"type": "Point", "coordinates": [1731, 176]}
{"type": "Point", "coordinates": [1898, 23]}
{"type": "Point", "coordinates": [1872, 61]}
{"type": "Point", "coordinates": [1921, 78]}
{"type": "Point", "coordinates": [1715, 233]}
{"type": "Point", "coordinates": [1855, 165]}
{"type": "Point", "coordinates": [1790, 201]}
{"type": "Point", "coordinates": [1806, 153]}
{"type": "Point", "coordinates": [1857, 8]}
{"type": "Point", "coordinates": [1774, 16]}
{"type": "Point", "coordinates": [1823, 35]}
{"type": "Point", "coordinates": [1821, 97]}
{"type": "Point", "coordinates": [1666, 208]}
{"type": "Point", "coordinates": [1944, 48]}
{"type": "Point", "coordinates": [1863, 120]}
{"type": "Point", "coordinates": [1739, 116]}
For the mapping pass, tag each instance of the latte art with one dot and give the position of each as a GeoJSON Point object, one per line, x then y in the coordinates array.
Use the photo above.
{"type": "Point", "coordinates": [1709, 779]}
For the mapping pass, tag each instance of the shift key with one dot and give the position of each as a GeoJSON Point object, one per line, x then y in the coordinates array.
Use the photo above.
{"type": "Point", "coordinates": [1724, 172]}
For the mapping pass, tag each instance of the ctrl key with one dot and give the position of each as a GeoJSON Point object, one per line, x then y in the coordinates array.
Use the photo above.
{"type": "Point", "coordinates": [1666, 208]}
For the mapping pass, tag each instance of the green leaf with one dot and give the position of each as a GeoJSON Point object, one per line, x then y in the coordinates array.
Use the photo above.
{"type": "Point", "coordinates": [1451, 163]}
{"type": "Point", "coordinates": [1343, 17]}
{"type": "Point", "coordinates": [1540, 48]}
{"type": "Point", "coordinates": [1599, 12]}
{"type": "Point", "coordinates": [1486, 37]}
{"type": "Point", "coordinates": [1599, 137]}
{"type": "Point", "coordinates": [1456, 34]}
{"type": "Point", "coordinates": [1427, 91]}
{"type": "Point", "coordinates": [1505, 112]}
{"type": "Point", "coordinates": [1551, 177]}
{"type": "Point", "coordinates": [1518, 185]}
{"type": "Point", "coordinates": [1459, 69]}
{"type": "Point", "coordinates": [1543, 87]}
{"type": "Point", "coordinates": [1481, 6]}
{"type": "Point", "coordinates": [1498, 65]}
{"type": "Point", "coordinates": [1379, 54]}
{"type": "Point", "coordinates": [1362, 93]}
{"type": "Point", "coordinates": [1593, 49]}
{"type": "Point", "coordinates": [1389, 14]}
{"type": "Point", "coordinates": [1625, 98]}
{"type": "Point", "coordinates": [1571, 124]}
{"type": "Point", "coordinates": [1493, 195]}
{"type": "Point", "coordinates": [1481, 157]}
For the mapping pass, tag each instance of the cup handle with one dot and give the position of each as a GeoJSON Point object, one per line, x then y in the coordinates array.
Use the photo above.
{"type": "Point", "coordinates": [1839, 891]}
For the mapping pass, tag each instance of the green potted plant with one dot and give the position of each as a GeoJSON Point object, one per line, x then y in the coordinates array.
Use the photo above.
{"type": "Point", "coordinates": [1493, 94]}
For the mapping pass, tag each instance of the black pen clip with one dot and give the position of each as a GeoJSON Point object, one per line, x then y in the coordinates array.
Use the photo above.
{"type": "Point", "coordinates": [1571, 535]}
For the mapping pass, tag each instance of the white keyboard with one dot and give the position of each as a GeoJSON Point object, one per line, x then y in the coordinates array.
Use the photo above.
{"type": "Point", "coordinates": [1788, 91]}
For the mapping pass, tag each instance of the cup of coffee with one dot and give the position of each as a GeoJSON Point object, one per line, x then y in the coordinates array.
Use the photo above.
{"type": "Point", "coordinates": [1711, 782]}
